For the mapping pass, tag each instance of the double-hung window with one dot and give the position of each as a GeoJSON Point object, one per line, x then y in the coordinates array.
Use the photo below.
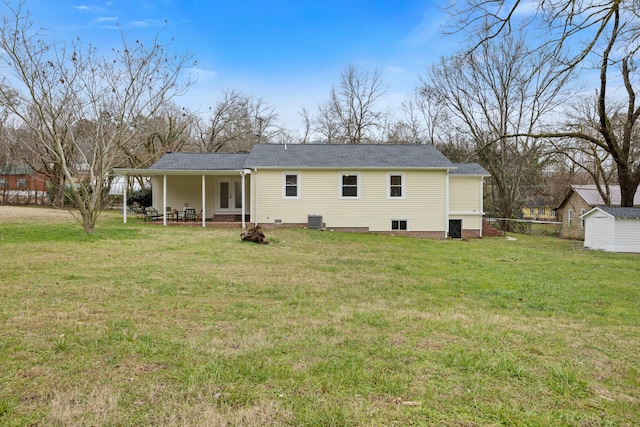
{"type": "Point", "coordinates": [395, 186]}
{"type": "Point", "coordinates": [349, 186]}
{"type": "Point", "coordinates": [291, 185]}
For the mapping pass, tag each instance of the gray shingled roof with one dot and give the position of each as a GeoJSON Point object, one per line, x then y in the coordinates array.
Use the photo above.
{"type": "Point", "coordinates": [469, 169]}
{"type": "Point", "coordinates": [200, 161]}
{"type": "Point", "coordinates": [346, 156]}
{"type": "Point", "coordinates": [318, 156]}
{"type": "Point", "coordinates": [621, 212]}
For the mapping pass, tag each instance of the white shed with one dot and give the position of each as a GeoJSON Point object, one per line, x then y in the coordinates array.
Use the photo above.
{"type": "Point", "coordinates": [612, 229]}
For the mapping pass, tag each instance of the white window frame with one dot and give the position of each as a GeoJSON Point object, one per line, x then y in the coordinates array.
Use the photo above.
{"type": "Point", "coordinates": [403, 186]}
{"type": "Point", "coordinates": [581, 219]}
{"type": "Point", "coordinates": [358, 186]}
{"type": "Point", "coordinates": [284, 185]}
{"type": "Point", "coordinates": [406, 221]}
{"type": "Point", "coordinates": [570, 219]}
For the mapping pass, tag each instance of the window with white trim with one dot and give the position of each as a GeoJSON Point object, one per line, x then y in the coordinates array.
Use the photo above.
{"type": "Point", "coordinates": [570, 217]}
{"type": "Point", "coordinates": [581, 219]}
{"type": "Point", "coordinates": [399, 224]}
{"type": "Point", "coordinates": [395, 185]}
{"type": "Point", "coordinates": [3, 182]}
{"type": "Point", "coordinates": [21, 182]}
{"type": "Point", "coordinates": [291, 185]}
{"type": "Point", "coordinates": [349, 186]}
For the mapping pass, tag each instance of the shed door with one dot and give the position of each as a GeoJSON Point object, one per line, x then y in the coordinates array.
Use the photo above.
{"type": "Point", "coordinates": [455, 228]}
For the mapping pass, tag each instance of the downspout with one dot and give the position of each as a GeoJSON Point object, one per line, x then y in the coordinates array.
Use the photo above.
{"type": "Point", "coordinates": [204, 201]}
{"type": "Point", "coordinates": [254, 194]}
{"type": "Point", "coordinates": [481, 204]}
{"type": "Point", "coordinates": [446, 206]}
{"type": "Point", "coordinates": [164, 200]}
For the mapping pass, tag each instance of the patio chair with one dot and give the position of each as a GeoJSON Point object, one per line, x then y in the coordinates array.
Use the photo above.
{"type": "Point", "coordinates": [151, 214]}
{"type": "Point", "coordinates": [189, 214]}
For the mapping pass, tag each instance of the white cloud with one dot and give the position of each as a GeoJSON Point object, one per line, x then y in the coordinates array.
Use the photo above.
{"type": "Point", "coordinates": [203, 76]}
{"type": "Point", "coordinates": [106, 19]}
{"type": "Point", "coordinates": [394, 69]}
{"type": "Point", "coordinates": [526, 8]}
{"type": "Point", "coordinates": [422, 33]}
{"type": "Point", "coordinates": [138, 24]}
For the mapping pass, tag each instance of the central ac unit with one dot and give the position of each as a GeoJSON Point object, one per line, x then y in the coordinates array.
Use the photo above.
{"type": "Point", "coordinates": [314, 221]}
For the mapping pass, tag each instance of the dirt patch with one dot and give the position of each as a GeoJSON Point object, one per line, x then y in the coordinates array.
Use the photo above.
{"type": "Point", "coordinates": [35, 214]}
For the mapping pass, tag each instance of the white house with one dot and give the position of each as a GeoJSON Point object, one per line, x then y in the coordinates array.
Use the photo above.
{"type": "Point", "coordinates": [612, 229]}
{"type": "Point", "coordinates": [395, 189]}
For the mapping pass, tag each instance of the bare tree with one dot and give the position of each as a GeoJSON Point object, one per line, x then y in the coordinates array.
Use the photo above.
{"type": "Point", "coordinates": [607, 32]}
{"type": "Point", "coordinates": [497, 91]}
{"type": "Point", "coordinates": [353, 108]}
{"type": "Point", "coordinates": [327, 125]}
{"type": "Point", "coordinates": [81, 108]}
{"type": "Point", "coordinates": [170, 129]}
{"type": "Point", "coordinates": [307, 126]}
{"type": "Point", "coordinates": [237, 123]}
{"type": "Point", "coordinates": [592, 159]}
{"type": "Point", "coordinates": [557, 23]}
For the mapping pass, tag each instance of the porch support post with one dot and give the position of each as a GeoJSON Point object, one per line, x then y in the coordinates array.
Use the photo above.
{"type": "Point", "coordinates": [244, 175]}
{"type": "Point", "coordinates": [204, 200]}
{"type": "Point", "coordinates": [164, 200]}
{"type": "Point", "coordinates": [124, 199]}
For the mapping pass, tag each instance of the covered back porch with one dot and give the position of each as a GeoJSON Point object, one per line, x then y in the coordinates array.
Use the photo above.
{"type": "Point", "coordinates": [217, 198]}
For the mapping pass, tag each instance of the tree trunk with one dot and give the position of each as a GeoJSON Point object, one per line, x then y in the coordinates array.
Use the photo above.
{"type": "Point", "coordinates": [628, 186]}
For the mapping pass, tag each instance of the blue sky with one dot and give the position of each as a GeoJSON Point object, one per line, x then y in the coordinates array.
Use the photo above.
{"type": "Point", "coordinates": [288, 52]}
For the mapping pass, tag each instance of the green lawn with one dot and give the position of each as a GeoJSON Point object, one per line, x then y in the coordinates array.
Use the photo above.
{"type": "Point", "coordinates": [140, 324]}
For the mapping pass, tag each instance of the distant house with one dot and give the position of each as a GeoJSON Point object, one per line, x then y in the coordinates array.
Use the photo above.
{"type": "Point", "coordinates": [540, 209]}
{"type": "Point", "coordinates": [22, 184]}
{"type": "Point", "coordinates": [394, 189]}
{"type": "Point", "coordinates": [612, 229]}
{"type": "Point", "coordinates": [579, 200]}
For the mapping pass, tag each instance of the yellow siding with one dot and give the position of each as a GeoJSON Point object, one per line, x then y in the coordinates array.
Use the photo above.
{"type": "Point", "coordinates": [469, 222]}
{"type": "Point", "coordinates": [465, 193]}
{"type": "Point", "coordinates": [423, 206]}
{"type": "Point", "coordinates": [464, 200]}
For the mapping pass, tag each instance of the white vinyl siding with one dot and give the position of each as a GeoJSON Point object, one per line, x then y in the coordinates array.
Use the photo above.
{"type": "Point", "coordinates": [627, 235]}
{"type": "Point", "coordinates": [603, 232]}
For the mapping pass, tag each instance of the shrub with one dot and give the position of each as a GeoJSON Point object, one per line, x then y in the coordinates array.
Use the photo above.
{"type": "Point", "coordinates": [139, 199]}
